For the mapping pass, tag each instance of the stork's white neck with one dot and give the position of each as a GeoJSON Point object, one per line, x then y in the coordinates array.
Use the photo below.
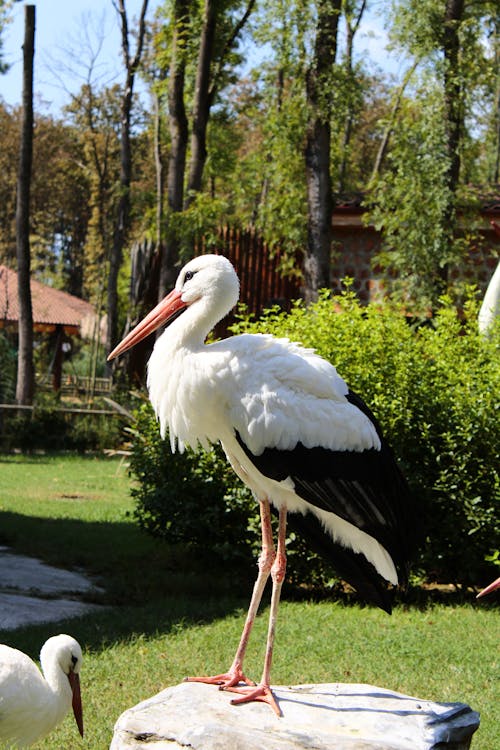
{"type": "Point", "coordinates": [57, 682]}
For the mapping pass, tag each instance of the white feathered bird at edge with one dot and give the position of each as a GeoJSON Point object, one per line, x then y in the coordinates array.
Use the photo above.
{"type": "Point", "coordinates": [295, 435]}
{"type": "Point", "coordinates": [32, 704]}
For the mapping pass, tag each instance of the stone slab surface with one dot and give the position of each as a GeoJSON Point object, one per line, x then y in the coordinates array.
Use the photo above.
{"type": "Point", "coordinates": [315, 717]}
{"type": "Point", "coordinates": [29, 574]}
{"type": "Point", "coordinates": [18, 611]}
{"type": "Point", "coordinates": [32, 592]}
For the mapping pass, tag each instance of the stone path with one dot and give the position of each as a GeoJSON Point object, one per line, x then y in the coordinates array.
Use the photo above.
{"type": "Point", "coordinates": [32, 592]}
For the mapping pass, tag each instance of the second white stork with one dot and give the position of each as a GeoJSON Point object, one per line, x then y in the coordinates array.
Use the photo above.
{"type": "Point", "coordinates": [293, 432]}
{"type": "Point", "coordinates": [32, 704]}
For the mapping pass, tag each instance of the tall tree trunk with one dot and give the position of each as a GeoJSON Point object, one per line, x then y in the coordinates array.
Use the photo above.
{"type": "Point", "coordinates": [123, 209]}
{"type": "Point", "coordinates": [25, 386]}
{"type": "Point", "coordinates": [206, 87]}
{"type": "Point", "coordinates": [160, 173]}
{"type": "Point", "coordinates": [317, 152]}
{"type": "Point", "coordinates": [202, 102]}
{"type": "Point", "coordinates": [453, 119]}
{"type": "Point", "coordinates": [178, 142]}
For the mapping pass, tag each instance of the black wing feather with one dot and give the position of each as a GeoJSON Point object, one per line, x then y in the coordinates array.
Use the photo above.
{"type": "Point", "coordinates": [365, 488]}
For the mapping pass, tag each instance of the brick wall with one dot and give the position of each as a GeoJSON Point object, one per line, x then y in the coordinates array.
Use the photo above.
{"type": "Point", "coordinates": [355, 245]}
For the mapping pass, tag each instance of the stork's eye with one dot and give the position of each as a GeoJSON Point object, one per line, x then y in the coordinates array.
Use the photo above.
{"type": "Point", "coordinates": [189, 275]}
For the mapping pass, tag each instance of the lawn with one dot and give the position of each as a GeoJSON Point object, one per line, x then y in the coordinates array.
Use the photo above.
{"type": "Point", "coordinates": [162, 625]}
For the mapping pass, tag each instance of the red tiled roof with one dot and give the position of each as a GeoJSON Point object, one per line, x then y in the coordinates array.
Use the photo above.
{"type": "Point", "coordinates": [50, 306]}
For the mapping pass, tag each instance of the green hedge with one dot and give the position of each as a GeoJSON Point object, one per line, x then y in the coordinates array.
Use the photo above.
{"type": "Point", "coordinates": [434, 387]}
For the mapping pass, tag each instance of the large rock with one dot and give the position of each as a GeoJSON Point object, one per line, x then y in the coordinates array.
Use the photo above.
{"type": "Point", "coordinates": [319, 717]}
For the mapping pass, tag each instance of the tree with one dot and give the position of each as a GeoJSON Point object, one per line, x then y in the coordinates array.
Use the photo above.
{"type": "Point", "coordinates": [179, 134]}
{"type": "Point", "coordinates": [25, 370]}
{"type": "Point", "coordinates": [317, 151]}
{"type": "Point", "coordinates": [416, 196]}
{"type": "Point", "coordinates": [213, 50]}
{"type": "Point", "coordinates": [95, 118]}
{"type": "Point", "coordinates": [353, 14]}
{"type": "Point", "coordinates": [206, 87]}
{"type": "Point", "coordinates": [122, 221]}
{"type": "Point", "coordinates": [5, 6]}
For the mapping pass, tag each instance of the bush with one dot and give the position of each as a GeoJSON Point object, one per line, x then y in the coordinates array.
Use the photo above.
{"type": "Point", "coordinates": [434, 389]}
{"type": "Point", "coordinates": [49, 429]}
{"type": "Point", "coordinates": [191, 498]}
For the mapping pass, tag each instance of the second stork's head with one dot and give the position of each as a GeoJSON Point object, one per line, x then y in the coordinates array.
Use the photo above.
{"type": "Point", "coordinates": [206, 289]}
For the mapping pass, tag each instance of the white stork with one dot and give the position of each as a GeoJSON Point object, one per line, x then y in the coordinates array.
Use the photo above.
{"type": "Point", "coordinates": [295, 435]}
{"type": "Point", "coordinates": [31, 705]}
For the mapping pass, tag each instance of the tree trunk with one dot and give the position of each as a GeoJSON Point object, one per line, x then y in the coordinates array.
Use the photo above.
{"type": "Point", "coordinates": [202, 102]}
{"type": "Point", "coordinates": [178, 143]}
{"type": "Point", "coordinates": [25, 369]}
{"type": "Point", "coordinates": [123, 208]}
{"type": "Point", "coordinates": [206, 87]}
{"type": "Point", "coordinates": [453, 119]}
{"type": "Point", "coordinates": [317, 153]}
{"type": "Point", "coordinates": [160, 173]}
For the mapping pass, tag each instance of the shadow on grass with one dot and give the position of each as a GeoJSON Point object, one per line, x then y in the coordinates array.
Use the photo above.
{"type": "Point", "coordinates": [128, 563]}
{"type": "Point", "coordinates": [152, 588]}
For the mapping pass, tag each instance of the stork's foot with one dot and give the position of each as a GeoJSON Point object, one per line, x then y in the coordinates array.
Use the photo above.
{"type": "Point", "coordinates": [260, 692]}
{"type": "Point", "coordinates": [225, 680]}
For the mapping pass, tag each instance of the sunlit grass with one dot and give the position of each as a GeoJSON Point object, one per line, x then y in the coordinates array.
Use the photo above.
{"type": "Point", "coordinates": [167, 627]}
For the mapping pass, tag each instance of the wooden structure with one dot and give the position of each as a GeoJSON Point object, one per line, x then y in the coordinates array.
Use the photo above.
{"type": "Point", "coordinates": [56, 313]}
{"type": "Point", "coordinates": [356, 243]}
{"type": "Point", "coordinates": [262, 282]}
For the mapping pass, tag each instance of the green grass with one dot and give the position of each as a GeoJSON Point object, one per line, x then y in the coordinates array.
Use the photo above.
{"type": "Point", "coordinates": [161, 625]}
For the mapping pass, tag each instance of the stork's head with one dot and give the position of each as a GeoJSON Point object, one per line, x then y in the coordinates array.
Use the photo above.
{"type": "Point", "coordinates": [64, 652]}
{"type": "Point", "coordinates": [207, 288]}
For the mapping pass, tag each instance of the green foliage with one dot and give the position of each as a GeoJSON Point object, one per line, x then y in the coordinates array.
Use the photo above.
{"type": "Point", "coordinates": [434, 388]}
{"type": "Point", "coordinates": [7, 370]}
{"type": "Point", "coordinates": [5, 7]}
{"type": "Point", "coordinates": [409, 203]}
{"type": "Point", "coordinates": [193, 499]}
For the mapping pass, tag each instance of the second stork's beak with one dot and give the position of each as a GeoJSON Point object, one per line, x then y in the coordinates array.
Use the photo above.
{"type": "Point", "coordinates": [170, 306]}
{"type": "Point", "coordinates": [74, 681]}
{"type": "Point", "coordinates": [492, 587]}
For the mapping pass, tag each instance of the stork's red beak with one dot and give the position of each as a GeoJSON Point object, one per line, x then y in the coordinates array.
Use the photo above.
{"type": "Point", "coordinates": [74, 681]}
{"type": "Point", "coordinates": [492, 587]}
{"type": "Point", "coordinates": [171, 305]}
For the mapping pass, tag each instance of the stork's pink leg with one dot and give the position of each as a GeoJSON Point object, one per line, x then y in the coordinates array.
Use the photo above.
{"type": "Point", "coordinates": [262, 691]}
{"type": "Point", "coordinates": [267, 557]}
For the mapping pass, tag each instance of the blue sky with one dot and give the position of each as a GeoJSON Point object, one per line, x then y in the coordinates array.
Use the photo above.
{"type": "Point", "coordinates": [60, 26]}
{"type": "Point", "coordinates": [64, 26]}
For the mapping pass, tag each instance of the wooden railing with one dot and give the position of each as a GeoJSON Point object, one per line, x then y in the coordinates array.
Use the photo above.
{"type": "Point", "coordinates": [73, 385]}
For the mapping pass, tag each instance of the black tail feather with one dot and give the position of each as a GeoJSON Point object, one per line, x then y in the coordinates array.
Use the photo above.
{"type": "Point", "coordinates": [351, 566]}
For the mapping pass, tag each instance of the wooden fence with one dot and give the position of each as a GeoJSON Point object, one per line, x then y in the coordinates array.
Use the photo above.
{"type": "Point", "coordinates": [78, 385]}
{"type": "Point", "coordinates": [262, 283]}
